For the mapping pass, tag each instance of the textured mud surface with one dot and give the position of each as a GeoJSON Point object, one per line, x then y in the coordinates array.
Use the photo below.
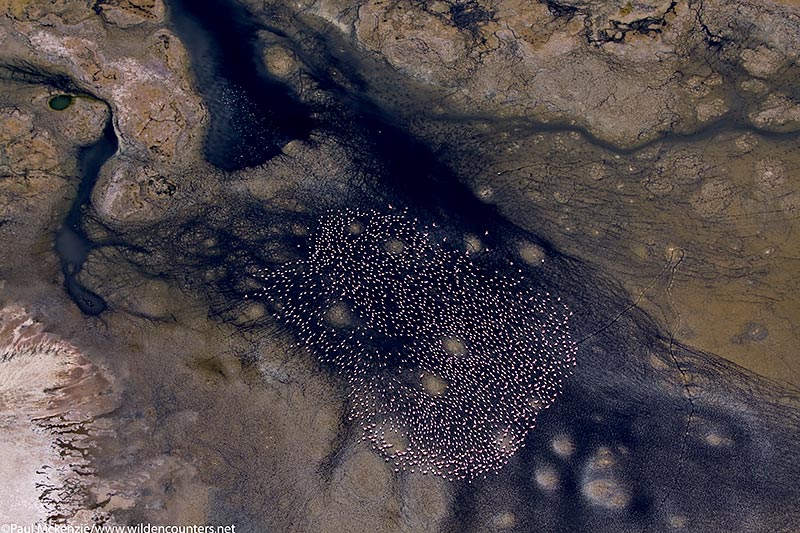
{"type": "Point", "coordinates": [407, 266]}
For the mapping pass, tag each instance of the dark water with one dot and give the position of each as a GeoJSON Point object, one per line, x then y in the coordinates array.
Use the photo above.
{"type": "Point", "coordinates": [252, 115]}
{"type": "Point", "coordinates": [71, 244]}
{"type": "Point", "coordinates": [615, 400]}
{"type": "Point", "coordinates": [60, 102]}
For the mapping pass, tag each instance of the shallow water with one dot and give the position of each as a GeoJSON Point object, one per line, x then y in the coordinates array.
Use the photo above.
{"type": "Point", "coordinates": [60, 102]}
{"type": "Point", "coordinates": [255, 393]}
{"type": "Point", "coordinates": [71, 243]}
{"type": "Point", "coordinates": [658, 431]}
{"type": "Point", "coordinates": [252, 115]}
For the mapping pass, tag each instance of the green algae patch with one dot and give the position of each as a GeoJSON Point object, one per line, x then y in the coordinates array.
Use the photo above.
{"type": "Point", "coordinates": [60, 102]}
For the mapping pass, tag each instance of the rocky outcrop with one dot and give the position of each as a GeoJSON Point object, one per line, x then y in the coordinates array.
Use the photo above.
{"type": "Point", "coordinates": [627, 73]}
